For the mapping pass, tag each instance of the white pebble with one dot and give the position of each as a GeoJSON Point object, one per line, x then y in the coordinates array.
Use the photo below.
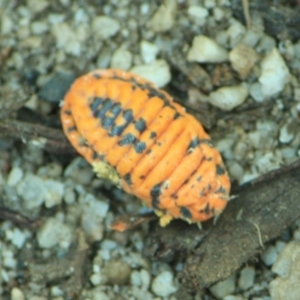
{"type": "Point", "coordinates": [157, 72]}
{"type": "Point", "coordinates": [163, 284]}
{"type": "Point", "coordinates": [256, 92]}
{"type": "Point", "coordinates": [8, 259]}
{"type": "Point", "coordinates": [287, 266]}
{"type": "Point", "coordinates": [66, 38]}
{"type": "Point", "coordinates": [54, 193]}
{"type": "Point", "coordinates": [223, 288]}
{"type": "Point", "coordinates": [105, 27]}
{"type": "Point", "coordinates": [268, 161]}
{"type": "Point", "coordinates": [274, 74]}
{"type": "Point", "coordinates": [16, 294]}
{"type": "Point", "coordinates": [96, 279]}
{"type": "Point", "coordinates": [37, 6]}
{"type": "Point", "coordinates": [17, 237]}
{"type": "Point", "coordinates": [269, 256]}
{"type": "Point", "coordinates": [198, 14]}
{"type": "Point", "coordinates": [286, 133]}
{"type": "Point", "coordinates": [164, 18]}
{"type": "Point", "coordinates": [39, 27]}
{"type": "Point", "coordinates": [228, 97]}
{"type": "Point", "coordinates": [54, 232]}
{"type": "Point", "coordinates": [242, 59]}
{"type": "Point", "coordinates": [148, 51]}
{"type": "Point", "coordinates": [235, 32]}
{"type": "Point", "coordinates": [32, 190]}
{"type": "Point", "coordinates": [236, 171]}
{"type": "Point", "coordinates": [121, 59]}
{"type": "Point", "coordinates": [206, 50]}
{"type": "Point", "coordinates": [246, 279]}
{"type": "Point", "coordinates": [7, 24]}
{"type": "Point", "coordinates": [15, 175]}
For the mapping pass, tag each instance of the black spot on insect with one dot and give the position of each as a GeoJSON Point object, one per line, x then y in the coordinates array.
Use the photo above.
{"type": "Point", "coordinates": [193, 144]}
{"type": "Point", "coordinates": [159, 144]}
{"type": "Point", "coordinates": [128, 115]}
{"type": "Point", "coordinates": [185, 212]}
{"type": "Point", "coordinates": [221, 190]}
{"type": "Point", "coordinates": [127, 179]}
{"type": "Point", "coordinates": [142, 177]}
{"type": "Point", "coordinates": [113, 112]}
{"type": "Point", "coordinates": [96, 102]}
{"type": "Point", "coordinates": [117, 130]}
{"type": "Point", "coordinates": [174, 196]}
{"type": "Point", "coordinates": [198, 179]}
{"type": "Point", "coordinates": [72, 128]}
{"type": "Point", "coordinates": [176, 116]}
{"type": "Point", "coordinates": [140, 125]}
{"type": "Point", "coordinates": [186, 181]}
{"type": "Point", "coordinates": [96, 76]}
{"type": "Point", "coordinates": [209, 159]}
{"type": "Point", "coordinates": [220, 170]}
{"type": "Point", "coordinates": [206, 210]}
{"type": "Point", "coordinates": [153, 135]}
{"type": "Point", "coordinates": [97, 156]}
{"type": "Point", "coordinates": [149, 151]}
{"type": "Point", "coordinates": [67, 112]}
{"type": "Point", "coordinates": [140, 147]}
{"type": "Point", "coordinates": [128, 139]}
{"type": "Point", "coordinates": [107, 104]}
{"type": "Point", "coordinates": [155, 193]}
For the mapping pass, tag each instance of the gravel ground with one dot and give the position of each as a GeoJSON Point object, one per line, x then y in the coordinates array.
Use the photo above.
{"type": "Point", "coordinates": [245, 81]}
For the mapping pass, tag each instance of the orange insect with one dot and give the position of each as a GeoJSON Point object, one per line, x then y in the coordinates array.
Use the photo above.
{"type": "Point", "coordinates": [135, 134]}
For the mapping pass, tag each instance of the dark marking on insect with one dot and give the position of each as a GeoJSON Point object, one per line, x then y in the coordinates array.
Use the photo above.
{"type": "Point", "coordinates": [128, 139]}
{"type": "Point", "coordinates": [140, 125]}
{"type": "Point", "coordinates": [220, 170]}
{"type": "Point", "coordinates": [140, 147]}
{"type": "Point", "coordinates": [155, 193]}
{"type": "Point", "coordinates": [72, 128]}
{"type": "Point", "coordinates": [153, 135]}
{"type": "Point", "coordinates": [185, 212]}
{"type": "Point", "coordinates": [96, 102]}
{"type": "Point", "coordinates": [127, 179]}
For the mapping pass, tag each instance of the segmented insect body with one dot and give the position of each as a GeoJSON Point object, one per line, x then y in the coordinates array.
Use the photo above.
{"type": "Point", "coordinates": [133, 133]}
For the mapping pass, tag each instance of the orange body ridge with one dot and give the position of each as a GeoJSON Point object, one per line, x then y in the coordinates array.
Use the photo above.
{"type": "Point", "coordinates": [135, 134]}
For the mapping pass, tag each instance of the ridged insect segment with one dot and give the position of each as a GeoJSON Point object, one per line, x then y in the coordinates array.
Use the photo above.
{"type": "Point", "coordinates": [135, 134]}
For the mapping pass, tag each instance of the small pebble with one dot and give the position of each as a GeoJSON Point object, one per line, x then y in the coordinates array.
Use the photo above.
{"type": "Point", "coordinates": [223, 288]}
{"type": "Point", "coordinates": [227, 98]}
{"type": "Point", "coordinates": [287, 133]}
{"type": "Point", "coordinates": [66, 38]}
{"type": "Point", "coordinates": [121, 59]}
{"type": "Point", "coordinates": [15, 175]}
{"type": "Point", "coordinates": [274, 74]}
{"type": "Point", "coordinates": [116, 272]}
{"type": "Point", "coordinates": [256, 92]}
{"type": "Point", "coordinates": [164, 18]}
{"type": "Point", "coordinates": [242, 59]}
{"type": "Point", "coordinates": [53, 233]}
{"type": "Point", "coordinates": [198, 14]}
{"type": "Point", "coordinates": [56, 87]}
{"type": "Point", "coordinates": [54, 192]}
{"type": "Point", "coordinates": [269, 256]}
{"type": "Point", "coordinates": [163, 284]}
{"type": "Point", "coordinates": [148, 51]}
{"type": "Point", "coordinates": [33, 191]}
{"type": "Point", "coordinates": [287, 266]}
{"type": "Point", "coordinates": [16, 294]}
{"type": "Point", "coordinates": [17, 237]}
{"type": "Point", "coordinates": [246, 279]}
{"type": "Point", "coordinates": [157, 72]}
{"type": "Point", "coordinates": [105, 27]}
{"type": "Point", "coordinates": [206, 50]}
